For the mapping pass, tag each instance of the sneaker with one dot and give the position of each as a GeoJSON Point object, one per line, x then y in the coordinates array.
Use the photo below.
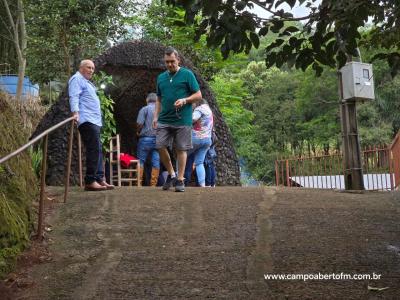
{"type": "Point", "coordinates": [169, 183]}
{"type": "Point", "coordinates": [179, 186]}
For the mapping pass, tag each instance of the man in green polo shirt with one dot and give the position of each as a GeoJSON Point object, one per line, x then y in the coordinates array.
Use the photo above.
{"type": "Point", "coordinates": [177, 89]}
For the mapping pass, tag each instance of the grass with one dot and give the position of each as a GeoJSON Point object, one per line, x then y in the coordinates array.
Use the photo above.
{"type": "Point", "coordinates": [18, 181]}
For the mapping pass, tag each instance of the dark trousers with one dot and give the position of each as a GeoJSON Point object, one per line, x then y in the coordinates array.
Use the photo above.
{"type": "Point", "coordinates": [90, 134]}
{"type": "Point", "coordinates": [210, 173]}
{"type": "Point", "coordinates": [189, 169]}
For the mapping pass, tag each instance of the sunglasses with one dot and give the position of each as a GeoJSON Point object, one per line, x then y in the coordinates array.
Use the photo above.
{"type": "Point", "coordinates": [178, 115]}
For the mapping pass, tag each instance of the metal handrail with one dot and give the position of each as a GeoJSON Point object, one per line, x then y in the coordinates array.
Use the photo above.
{"type": "Point", "coordinates": [32, 142]}
{"type": "Point", "coordinates": [44, 135]}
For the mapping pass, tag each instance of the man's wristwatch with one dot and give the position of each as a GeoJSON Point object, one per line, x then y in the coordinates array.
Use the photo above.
{"type": "Point", "coordinates": [184, 101]}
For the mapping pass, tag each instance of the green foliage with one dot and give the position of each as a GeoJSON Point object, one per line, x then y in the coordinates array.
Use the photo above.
{"type": "Point", "coordinates": [15, 237]}
{"type": "Point", "coordinates": [36, 156]}
{"type": "Point", "coordinates": [387, 97]}
{"type": "Point", "coordinates": [18, 188]}
{"type": "Point", "coordinates": [274, 112]}
{"type": "Point", "coordinates": [275, 107]}
{"type": "Point", "coordinates": [386, 107]}
{"type": "Point", "coordinates": [231, 95]}
{"type": "Point", "coordinates": [109, 128]}
{"type": "Point", "coordinates": [158, 22]}
{"type": "Point", "coordinates": [330, 31]}
{"type": "Point", "coordinates": [387, 100]}
{"type": "Point", "coordinates": [261, 163]}
{"type": "Point", "coordinates": [8, 55]}
{"type": "Point", "coordinates": [373, 129]}
{"type": "Point", "coordinates": [49, 92]}
{"type": "Point", "coordinates": [61, 33]}
{"type": "Point", "coordinates": [318, 108]}
{"type": "Point", "coordinates": [295, 113]}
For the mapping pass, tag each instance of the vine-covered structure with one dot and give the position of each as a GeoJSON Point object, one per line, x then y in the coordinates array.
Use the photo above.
{"type": "Point", "coordinates": [134, 67]}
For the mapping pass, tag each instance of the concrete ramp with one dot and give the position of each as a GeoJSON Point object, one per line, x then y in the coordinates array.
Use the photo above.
{"type": "Point", "coordinates": [144, 243]}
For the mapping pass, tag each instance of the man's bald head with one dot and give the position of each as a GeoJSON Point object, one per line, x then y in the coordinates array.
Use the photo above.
{"type": "Point", "coordinates": [86, 62]}
{"type": "Point", "coordinates": [86, 68]}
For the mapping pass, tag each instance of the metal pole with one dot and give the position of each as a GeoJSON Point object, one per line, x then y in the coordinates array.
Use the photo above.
{"type": "Point", "coordinates": [42, 188]}
{"type": "Point", "coordinates": [70, 141]}
{"type": "Point", "coordinates": [356, 170]}
{"type": "Point", "coordinates": [276, 173]}
{"type": "Point", "coordinates": [287, 173]}
{"type": "Point", "coordinates": [353, 175]}
{"type": "Point", "coordinates": [392, 185]}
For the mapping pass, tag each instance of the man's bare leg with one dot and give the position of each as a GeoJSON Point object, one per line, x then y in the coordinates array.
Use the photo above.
{"type": "Point", "coordinates": [166, 160]}
{"type": "Point", "coordinates": [181, 156]}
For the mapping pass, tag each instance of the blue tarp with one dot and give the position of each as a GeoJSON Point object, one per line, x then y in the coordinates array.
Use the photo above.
{"type": "Point", "coordinates": [8, 83]}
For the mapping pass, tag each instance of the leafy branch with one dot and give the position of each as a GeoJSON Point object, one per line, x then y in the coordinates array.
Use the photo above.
{"type": "Point", "coordinates": [330, 34]}
{"type": "Point", "coordinates": [109, 128]}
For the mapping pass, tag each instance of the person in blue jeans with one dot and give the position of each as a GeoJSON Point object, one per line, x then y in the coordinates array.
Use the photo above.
{"type": "Point", "coordinates": [201, 138]}
{"type": "Point", "coordinates": [147, 139]}
{"type": "Point", "coordinates": [209, 167]}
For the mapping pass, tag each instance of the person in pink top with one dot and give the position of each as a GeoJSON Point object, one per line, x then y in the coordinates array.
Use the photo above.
{"type": "Point", "coordinates": [203, 123]}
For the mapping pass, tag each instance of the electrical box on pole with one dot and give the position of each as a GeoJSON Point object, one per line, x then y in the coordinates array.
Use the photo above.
{"type": "Point", "coordinates": [357, 80]}
{"type": "Point", "coordinates": [356, 84]}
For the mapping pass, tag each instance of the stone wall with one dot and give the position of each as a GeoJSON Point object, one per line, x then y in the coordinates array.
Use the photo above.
{"type": "Point", "coordinates": [134, 66]}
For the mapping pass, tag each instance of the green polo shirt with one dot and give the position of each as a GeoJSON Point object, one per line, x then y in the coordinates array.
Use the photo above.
{"type": "Point", "coordinates": [171, 88]}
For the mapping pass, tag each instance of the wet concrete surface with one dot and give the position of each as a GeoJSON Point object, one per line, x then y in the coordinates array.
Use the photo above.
{"type": "Point", "coordinates": [144, 243]}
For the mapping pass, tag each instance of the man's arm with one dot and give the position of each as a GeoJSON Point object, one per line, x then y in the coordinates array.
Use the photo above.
{"type": "Point", "coordinates": [140, 121]}
{"type": "Point", "coordinates": [189, 100]}
{"type": "Point", "coordinates": [138, 129]}
{"type": "Point", "coordinates": [74, 91]}
{"type": "Point", "coordinates": [157, 112]}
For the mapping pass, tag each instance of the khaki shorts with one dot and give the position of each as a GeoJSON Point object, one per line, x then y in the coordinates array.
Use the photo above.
{"type": "Point", "coordinates": [179, 137]}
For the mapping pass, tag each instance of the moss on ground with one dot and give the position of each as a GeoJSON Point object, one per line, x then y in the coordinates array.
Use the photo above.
{"type": "Point", "coordinates": [18, 187]}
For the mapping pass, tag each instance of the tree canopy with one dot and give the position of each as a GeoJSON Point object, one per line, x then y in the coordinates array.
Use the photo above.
{"type": "Point", "coordinates": [326, 36]}
{"type": "Point", "coordinates": [157, 23]}
{"type": "Point", "coordinates": [61, 33]}
{"type": "Point", "coordinates": [8, 56]}
{"type": "Point", "coordinates": [16, 28]}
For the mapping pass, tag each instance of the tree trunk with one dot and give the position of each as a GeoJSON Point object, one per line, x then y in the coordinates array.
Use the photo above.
{"type": "Point", "coordinates": [67, 60]}
{"type": "Point", "coordinates": [20, 42]}
{"type": "Point", "coordinates": [21, 76]}
{"type": "Point", "coordinates": [77, 57]}
{"type": "Point", "coordinates": [22, 49]}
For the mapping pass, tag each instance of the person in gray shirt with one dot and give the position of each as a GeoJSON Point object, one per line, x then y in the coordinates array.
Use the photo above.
{"type": "Point", "coordinates": [147, 138]}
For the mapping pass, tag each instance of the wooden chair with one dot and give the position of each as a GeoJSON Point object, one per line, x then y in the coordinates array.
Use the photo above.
{"type": "Point", "coordinates": [118, 175]}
